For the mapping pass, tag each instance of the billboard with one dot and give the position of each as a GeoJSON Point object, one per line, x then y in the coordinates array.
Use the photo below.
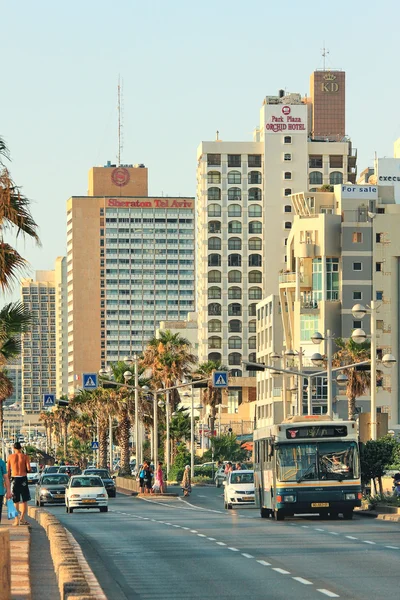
{"type": "Point", "coordinates": [285, 118]}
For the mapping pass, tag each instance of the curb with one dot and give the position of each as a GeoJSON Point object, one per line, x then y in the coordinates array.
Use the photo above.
{"type": "Point", "coordinates": [76, 580]}
{"type": "Point", "coordinates": [380, 516]}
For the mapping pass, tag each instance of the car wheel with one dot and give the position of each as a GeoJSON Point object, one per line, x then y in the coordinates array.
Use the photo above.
{"type": "Point", "coordinates": [103, 508]}
{"type": "Point", "coordinates": [41, 503]}
{"type": "Point", "coordinates": [265, 513]}
{"type": "Point", "coordinates": [229, 506]}
{"type": "Point", "coordinates": [67, 509]}
{"type": "Point", "coordinates": [37, 502]}
{"type": "Point", "coordinates": [218, 483]}
{"type": "Point", "coordinates": [279, 516]}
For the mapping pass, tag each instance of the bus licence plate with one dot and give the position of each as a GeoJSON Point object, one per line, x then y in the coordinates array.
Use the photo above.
{"type": "Point", "coordinates": [320, 504]}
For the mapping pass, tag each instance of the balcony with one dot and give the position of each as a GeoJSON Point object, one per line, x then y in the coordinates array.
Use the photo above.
{"type": "Point", "coordinates": [290, 279]}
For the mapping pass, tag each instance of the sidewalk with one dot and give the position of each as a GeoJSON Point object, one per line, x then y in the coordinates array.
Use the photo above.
{"type": "Point", "coordinates": [19, 545]}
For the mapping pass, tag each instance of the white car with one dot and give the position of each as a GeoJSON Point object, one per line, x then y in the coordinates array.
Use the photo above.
{"type": "Point", "coordinates": [239, 489]}
{"type": "Point", "coordinates": [86, 491]}
{"type": "Point", "coordinates": [33, 476]}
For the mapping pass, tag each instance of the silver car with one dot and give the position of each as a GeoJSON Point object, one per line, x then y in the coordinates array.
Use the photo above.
{"type": "Point", "coordinates": [51, 489]}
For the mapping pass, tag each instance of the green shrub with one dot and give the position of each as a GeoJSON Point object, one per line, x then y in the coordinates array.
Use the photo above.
{"type": "Point", "coordinates": [201, 479]}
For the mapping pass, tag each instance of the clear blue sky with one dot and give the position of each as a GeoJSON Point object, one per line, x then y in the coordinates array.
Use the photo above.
{"type": "Point", "coordinates": [189, 68]}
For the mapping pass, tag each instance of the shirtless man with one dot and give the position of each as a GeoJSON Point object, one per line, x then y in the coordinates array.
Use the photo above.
{"type": "Point", "coordinates": [18, 467]}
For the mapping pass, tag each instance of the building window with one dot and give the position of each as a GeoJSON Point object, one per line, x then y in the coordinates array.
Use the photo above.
{"type": "Point", "coordinates": [214, 357]}
{"type": "Point", "coordinates": [252, 326]}
{"type": "Point", "coordinates": [214, 227]}
{"type": "Point", "coordinates": [214, 243]}
{"type": "Point", "coordinates": [214, 260]}
{"type": "Point", "coordinates": [254, 160]}
{"type": "Point", "coordinates": [308, 326]}
{"type": "Point", "coordinates": [255, 293]}
{"type": "Point", "coordinates": [357, 295]}
{"type": "Point", "coordinates": [214, 293]}
{"type": "Point", "coordinates": [357, 266]}
{"type": "Point", "coordinates": [332, 279]}
{"type": "Point", "coordinates": [213, 193]}
{"type": "Point", "coordinates": [336, 161]}
{"type": "Point", "coordinates": [252, 342]}
{"type": "Point", "coordinates": [234, 160]}
{"type": "Point", "coordinates": [379, 295]}
{"type": "Point", "coordinates": [234, 227]}
{"type": "Point", "coordinates": [379, 267]}
{"type": "Point", "coordinates": [234, 342]}
{"type": "Point", "coordinates": [234, 194]}
{"type": "Point", "coordinates": [288, 208]}
{"type": "Point", "coordinates": [214, 309]}
{"type": "Point", "coordinates": [357, 324]}
{"type": "Point", "coordinates": [214, 342]}
{"type": "Point", "coordinates": [379, 238]}
{"type": "Point", "coordinates": [234, 326]}
{"type": "Point", "coordinates": [255, 210]}
{"type": "Point", "coordinates": [255, 177]}
{"type": "Point", "coordinates": [287, 139]}
{"type": "Point", "coordinates": [380, 324]}
{"type": "Point", "coordinates": [288, 175]}
{"type": "Point", "coordinates": [255, 260]}
{"type": "Point", "coordinates": [315, 161]}
{"type": "Point", "coordinates": [234, 260]}
{"type": "Point", "coordinates": [234, 277]}
{"type": "Point", "coordinates": [255, 277]}
{"type": "Point", "coordinates": [255, 244]}
{"type": "Point", "coordinates": [234, 310]}
{"type": "Point", "coordinates": [287, 156]}
{"type": "Point", "coordinates": [255, 227]}
{"type": "Point", "coordinates": [234, 177]}
{"type": "Point", "coordinates": [214, 326]}
{"type": "Point", "coordinates": [213, 160]}
{"type": "Point", "coordinates": [335, 178]}
{"type": "Point", "coordinates": [380, 211]}
{"type": "Point", "coordinates": [288, 225]}
{"type": "Point", "coordinates": [234, 293]}
{"type": "Point", "coordinates": [234, 244]}
{"type": "Point", "coordinates": [315, 178]}
{"type": "Point", "coordinates": [255, 194]}
{"type": "Point", "coordinates": [357, 237]}
{"type": "Point", "coordinates": [252, 310]}
{"type": "Point", "coordinates": [234, 210]}
{"type": "Point", "coordinates": [288, 191]}
{"type": "Point", "coordinates": [213, 177]}
{"type": "Point", "coordinates": [234, 358]}
{"type": "Point", "coordinates": [214, 277]}
{"type": "Point", "coordinates": [214, 210]}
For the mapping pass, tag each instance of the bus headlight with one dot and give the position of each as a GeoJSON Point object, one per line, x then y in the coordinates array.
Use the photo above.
{"type": "Point", "coordinates": [289, 498]}
{"type": "Point", "coordinates": [349, 496]}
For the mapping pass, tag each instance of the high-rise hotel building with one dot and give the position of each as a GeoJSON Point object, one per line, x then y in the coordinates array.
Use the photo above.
{"type": "Point", "coordinates": [130, 265]}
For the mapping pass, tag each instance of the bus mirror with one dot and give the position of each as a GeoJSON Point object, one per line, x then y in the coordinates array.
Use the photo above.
{"type": "Point", "coordinates": [271, 451]}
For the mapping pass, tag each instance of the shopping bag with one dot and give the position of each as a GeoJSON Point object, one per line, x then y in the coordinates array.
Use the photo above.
{"type": "Point", "coordinates": [11, 510]}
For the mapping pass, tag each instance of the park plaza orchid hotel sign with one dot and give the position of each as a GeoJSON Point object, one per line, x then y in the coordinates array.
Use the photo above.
{"type": "Point", "coordinates": [286, 119]}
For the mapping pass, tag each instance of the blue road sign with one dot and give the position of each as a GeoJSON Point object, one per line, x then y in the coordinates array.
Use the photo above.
{"type": "Point", "coordinates": [49, 400]}
{"type": "Point", "coordinates": [220, 379]}
{"type": "Point", "coordinates": [95, 445]}
{"type": "Point", "coordinates": [90, 381]}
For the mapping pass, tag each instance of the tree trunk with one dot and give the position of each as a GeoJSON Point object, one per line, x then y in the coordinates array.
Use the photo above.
{"type": "Point", "coordinates": [213, 414]}
{"type": "Point", "coordinates": [380, 485]}
{"type": "Point", "coordinates": [124, 434]}
{"type": "Point", "coordinates": [102, 447]}
{"type": "Point", "coordinates": [65, 434]}
{"type": "Point", "coordinates": [2, 420]}
{"type": "Point", "coordinates": [351, 407]}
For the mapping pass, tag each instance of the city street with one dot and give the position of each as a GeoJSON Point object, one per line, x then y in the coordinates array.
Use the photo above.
{"type": "Point", "coordinates": [154, 548]}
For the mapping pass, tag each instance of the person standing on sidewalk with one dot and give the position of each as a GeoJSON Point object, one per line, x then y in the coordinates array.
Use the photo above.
{"type": "Point", "coordinates": [18, 467]}
{"type": "Point", "coordinates": [5, 489]}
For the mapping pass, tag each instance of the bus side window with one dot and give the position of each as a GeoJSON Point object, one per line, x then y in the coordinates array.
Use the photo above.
{"type": "Point", "coordinates": [257, 452]}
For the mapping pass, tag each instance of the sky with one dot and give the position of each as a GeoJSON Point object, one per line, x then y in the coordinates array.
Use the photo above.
{"type": "Point", "coordinates": [188, 69]}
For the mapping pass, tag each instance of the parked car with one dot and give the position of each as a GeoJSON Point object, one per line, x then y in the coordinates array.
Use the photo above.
{"type": "Point", "coordinates": [108, 481]}
{"type": "Point", "coordinates": [51, 489]}
{"type": "Point", "coordinates": [70, 470]}
{"type": "Point", "coordinates": [86, 491]}
{"type": "Point", "coordinates": [50, 469]}
{"type": "Point", "coordinates": [33, 476]}
{"type": "Point", "coordinates": [220, 476]}
{"type": "Point", "coordinates": [239, 489]}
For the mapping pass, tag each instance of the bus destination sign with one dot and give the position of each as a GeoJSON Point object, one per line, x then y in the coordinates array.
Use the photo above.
{"type": "Point", "coordinates": [330, 431]}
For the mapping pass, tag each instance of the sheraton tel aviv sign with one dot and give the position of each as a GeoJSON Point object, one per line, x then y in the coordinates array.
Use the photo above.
{"type": "Point", "coordinates": [150, 203]}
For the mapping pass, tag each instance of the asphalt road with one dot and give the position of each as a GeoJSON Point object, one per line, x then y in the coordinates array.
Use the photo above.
{"type": "Point", "coordinates": [177, 549]}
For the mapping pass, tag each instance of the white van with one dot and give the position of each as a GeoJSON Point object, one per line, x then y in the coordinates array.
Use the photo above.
{"type": "Point", "coordinates": [33, 476]}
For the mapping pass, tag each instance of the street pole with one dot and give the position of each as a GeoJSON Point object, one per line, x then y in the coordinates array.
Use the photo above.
{"type": "Point", "coordinates": [167, 428]}
{"type": "Point", "coordinates": [300, 384]}
{"type": "Point", "coordinates": [192, 434]}
{"type": "Point", "coordinates": [110, 435]}
{"type": "Point", "coordinates": [309, 396]}
{"type": "Point", "coordinates": [284, 387]}
{"type": "Point", "coordinates": [329, 371]}
{"type": "Point", "coordinates": [138, 446]}
{"type": "Point", "coordinates": [155, 429]}
{"type": "Point", "coordinates": [373, 373]}
{"type": "Point", "coordinates": [98, 442]}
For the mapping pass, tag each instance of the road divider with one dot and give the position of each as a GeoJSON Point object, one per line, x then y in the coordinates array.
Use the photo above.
{"type": "Point", "coordinates": [75, 579]}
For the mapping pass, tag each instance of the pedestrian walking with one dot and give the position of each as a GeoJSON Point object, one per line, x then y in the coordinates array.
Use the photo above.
{"type": "Point", "coordinates": [5, 488]}
{"type": "Point", "coordinates": [228, 468]}
{"type": "Point", "coordinates": [148, 474]}
{"type": "Point", "coordinates": [159, 479]}
{"type": "Point", "coordinates": [186, 481]}
{"type": "Point", "coordinates": [18, 467]}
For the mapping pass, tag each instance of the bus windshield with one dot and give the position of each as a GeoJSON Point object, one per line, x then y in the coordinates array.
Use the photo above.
{"type": "Point", "coordinates": [317, 461]}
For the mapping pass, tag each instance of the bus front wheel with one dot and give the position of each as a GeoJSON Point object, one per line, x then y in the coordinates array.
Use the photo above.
{"type": "Point", "coordinates": [279, 516]}
{"type": "Point", "coordinates": [265, 513]}
{"type": "Point", "coordinates": [348, 514]}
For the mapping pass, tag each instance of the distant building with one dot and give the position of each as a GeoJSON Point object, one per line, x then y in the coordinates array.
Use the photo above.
{"type": "Point", "coordinates": [187, 329]}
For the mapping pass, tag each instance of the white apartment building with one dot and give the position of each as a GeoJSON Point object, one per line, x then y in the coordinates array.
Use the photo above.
{"type": "Point", "coordinates": [39, 345]}
{"type": "Point", "coordinates": [60, 275]}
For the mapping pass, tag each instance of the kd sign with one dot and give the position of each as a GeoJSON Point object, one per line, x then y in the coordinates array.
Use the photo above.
{"type": "Point", "coordinates": [330, 86]}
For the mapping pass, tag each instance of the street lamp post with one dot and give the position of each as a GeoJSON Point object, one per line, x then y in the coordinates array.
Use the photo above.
{"type": "Point", "coordinates": [317, 359]}
{"type": "Point", "coordinates": [129, 361]}
{"type": "Point", "coordinates": [359, 336]}
{"type": "Point", "coordinates": [167, 431]}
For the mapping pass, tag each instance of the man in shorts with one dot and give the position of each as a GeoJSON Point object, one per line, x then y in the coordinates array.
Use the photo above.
{"type": "Point", "coordinates": [18, 467]}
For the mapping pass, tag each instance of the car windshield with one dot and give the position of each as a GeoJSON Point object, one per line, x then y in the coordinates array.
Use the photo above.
{"type": "Point", "coordinates": [33, 469]}
{"type": "Point", "coordinates": [242, 478]}
{"type": "Point", "coordinates": [103, 473]}
{"type": "Point", "coordinates": [55, 479]}
{"type": "Point", "coordinates": [86, 482]}
{"type": "Point", "coordinates": [317, 461]}
{"type": "Point", "coordinates": [52, 469]}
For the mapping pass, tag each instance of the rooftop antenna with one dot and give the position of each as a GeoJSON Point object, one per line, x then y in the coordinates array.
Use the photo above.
{"type": "Point", "coordinates": [120, 115]}
{"type": "Point", "coordinates": [217, 136]}
{"type": "Point", "coordinates": [325, 53]}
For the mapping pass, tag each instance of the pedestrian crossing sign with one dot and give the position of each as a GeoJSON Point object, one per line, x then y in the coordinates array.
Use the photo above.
{"type": "Point", "coordinates": [95, 445]}
{"type": "Point", "coordinates": [89, 381]}
{"type": "Point", "coordinates": [220, 379]}
{"type": "Point", "coordinates": [49, 400]}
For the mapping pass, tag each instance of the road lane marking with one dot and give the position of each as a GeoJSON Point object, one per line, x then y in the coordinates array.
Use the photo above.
{"type": "Point", "coordinates": [264, 563]}
{"type": "Point", "coordinates": [247, 555]}
{"type": "Point", "coordinates": [367, 542]}
{"type": "Point", "coordinates": [328, 593]}
{"type": "Point", "coordinates": [317, 529]}
{"type": "Point", "coordinates": [302, 580]}
{"type": "Point", "coordinates": [233, 549]}
{"type": "Point", "coordinates": [201, 535]}
{"type": "Point", "coordinates": [178, 526]}
{"type": "Point", "coordinates": [351, 537]}
{"type": "Point", "coordinates": [186, 528]}
{"type": "Point", "coordinates": [211, 539]}
{"type": "Point", "coordinates": [306, 526]}
{"type": "Point", "coordinates": [281, 571]}
{"type": "Point", "coordinates": [221, 544]}
{"type": "Point", "coordinates": [392, 547]}
{"type": "Point", "coordinates": [193, 531]}
{"type": "Point", "coordinates": [333, 532]}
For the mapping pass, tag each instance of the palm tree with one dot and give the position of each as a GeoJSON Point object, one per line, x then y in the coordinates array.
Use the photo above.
{"type": "Point", "coordinates": [359, 381]}
{"type": "Point", "coordinates": [6, 389]}
{"type": "Point", "coordinates": [210, 396]}
{"type": "Point", "coordinates": [123, 407]}
{"type": "Point", "coordinates": [63, 415]}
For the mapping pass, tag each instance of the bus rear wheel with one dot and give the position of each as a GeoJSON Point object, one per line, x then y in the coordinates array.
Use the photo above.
{"type": "Point", "coordinates": [279, 515]}
{"type": "Point", "coordinates": [265, 513]}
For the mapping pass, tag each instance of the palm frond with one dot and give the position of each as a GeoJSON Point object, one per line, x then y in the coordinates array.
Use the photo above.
{"type": "Point", "coordinates": [14, 208]}
{"type": "Point", "coordinates": [11, 266]}
{"type": "Point", "coordinates": [6, 387]}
